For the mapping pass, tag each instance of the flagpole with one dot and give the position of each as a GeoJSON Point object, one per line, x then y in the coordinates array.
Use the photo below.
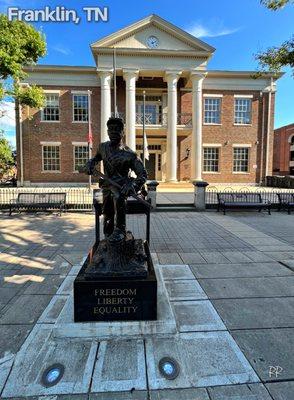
{"type": "Point", "coordinates": [90, 137]}
{"type": "Point", "coordinates": [144, 138]}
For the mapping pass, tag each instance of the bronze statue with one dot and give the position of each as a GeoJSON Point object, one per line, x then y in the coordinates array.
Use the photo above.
{"type": "Point", "coordinates": [118, 161]}
{"type": "Point", "coordinates": [119, 254]}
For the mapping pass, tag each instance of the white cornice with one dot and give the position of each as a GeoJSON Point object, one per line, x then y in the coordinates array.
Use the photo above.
{"type": "Point", "coordinates": [109, 40]}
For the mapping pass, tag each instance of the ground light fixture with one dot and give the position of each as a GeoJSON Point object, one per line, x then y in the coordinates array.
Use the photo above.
{"type": "Point", "coordinates": [169, 368]}
{"type": "Point", "coordinates": [52, 375]}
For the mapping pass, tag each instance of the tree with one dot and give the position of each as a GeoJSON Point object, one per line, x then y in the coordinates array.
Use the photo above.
{"type": "Point", "coordinates": [6, 159]}
{"type": "Point", "coordinates": [276, 57]}
{"type": "Point", "coordinates": [20, 45]}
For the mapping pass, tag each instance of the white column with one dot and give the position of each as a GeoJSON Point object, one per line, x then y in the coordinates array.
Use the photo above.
{"type": "Point", "coordinates": [196, 139]}
{"type": "Point", "coordinates": [171, 142]}
{"type": "Point", "coordinates": [105, 77]}
{"type": "Point", "coordinates": [130, 76]}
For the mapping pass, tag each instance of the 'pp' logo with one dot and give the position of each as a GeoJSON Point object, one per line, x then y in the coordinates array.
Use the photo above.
{"type": "Point", "coordinates": [275, 371]}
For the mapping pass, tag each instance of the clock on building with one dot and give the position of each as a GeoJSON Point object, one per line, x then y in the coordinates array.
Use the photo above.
{"type": "Point", "coordinates": [152, 42]}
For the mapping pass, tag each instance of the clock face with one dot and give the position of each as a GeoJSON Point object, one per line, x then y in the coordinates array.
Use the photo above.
{"type": "Point", "coordinates": [152, 42]}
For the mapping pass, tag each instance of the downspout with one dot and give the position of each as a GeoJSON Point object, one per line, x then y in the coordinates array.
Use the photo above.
{"type": "Point", "coordinates": [19, 122]}
{"type": "Point", "coordinates": [268, 127]}
{"type": "Point", "coordinates": [261, 178]}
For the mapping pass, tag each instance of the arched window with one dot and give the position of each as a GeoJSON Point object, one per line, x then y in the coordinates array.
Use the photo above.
{"type": "Point", "coordinates": [292, 139]}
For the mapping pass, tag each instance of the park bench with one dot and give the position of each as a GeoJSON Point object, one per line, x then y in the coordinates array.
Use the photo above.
{"type": "Point", "coordinates": [286, 201]}
{"type": "Point", "coordinates": [133, 207]}
{"type": "Point", "coordinates": [38, 201]}
{"type": "Point", "coordinates": [242, 200]}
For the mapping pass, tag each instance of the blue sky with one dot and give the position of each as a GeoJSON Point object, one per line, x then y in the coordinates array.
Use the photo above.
{"type": "Point", "coordinates": [237, 29]}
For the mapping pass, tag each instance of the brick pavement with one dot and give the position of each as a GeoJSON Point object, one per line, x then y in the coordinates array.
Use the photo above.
{"type": "Point", "coordinates": [243, 263]}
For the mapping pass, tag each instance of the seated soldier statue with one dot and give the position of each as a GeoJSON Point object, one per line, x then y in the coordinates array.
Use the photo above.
{"type": "Point", "coordinates": [119, 161]}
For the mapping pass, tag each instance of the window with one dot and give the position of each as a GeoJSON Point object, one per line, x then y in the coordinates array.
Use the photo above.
{"type": "Point", "coordinates": [80, 108]}
{"type": "Point", "coordinates": [241, 159]}
{"type": "Point", "coordinates": [211, 159]}
{"type": "Point", "coordinates": [51, 158]}
{"type": "Point", "coordinates": [212, 107]}
{"type": "Point", "coordinates": [51, 111]}
{"type": "Point", "coordinates": [243, 111]}
{"type": "Point", "coordinates": [81, 156]}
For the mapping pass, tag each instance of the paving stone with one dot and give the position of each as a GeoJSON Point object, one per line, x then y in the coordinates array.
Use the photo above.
{"type": "Point", "coordinates": [49, 285]}
{"type": "Point", "coordinates": [25, 309]}
{"type": "Point", "coordinates": [6, 363]}
{"type": "Point", "coordinates": [236, 257]}
{"type": "Point", "coordinates": [205, 359]}
{"type": "Point", "coordinates": [53, 310]}
{"type": "Point", "coordinates": [289, 264]}
{"type": "Point", "coordinates": [52, 397]}
{"type": "Point", "coordinates": [67, 285]}
{"type": "Point", "coordinates": [133, 395]}
{"type": "Point", "coordinates": [281, 390]}
{"type": "Point", "coordinates": [268, 347]}
{"type": "Point", "coordinates": [120, 366]}
{"type": "Point", "coordinates": [184, 290]}
{"type": "Point", "coordinates": [257, 256]}
{"type": "Point", "coordinates": [248, 287]}
{"type": "Point", "coordinates": [7, 293]}
{"type": "Point", "coordinates": [213, 257]}
{"type": "Point", "coordinates": [256, 313]}
{"type": "Point", "coordinates": [254, 391]}
{"type": "Point", "coordinates": [196, 316]}
{"type": "Point", "coordinates": [192, 258]}
{"type": "Point", "coordinates": [239, 270]}
{"type": "Point", "coordinates": [182, 394]}
{"type": "Point", "coordinates": [169, 258]}
{"type": "Point", "coordinates": [176, 272]}
{"type": "Point", "coordinates": [39, 352]}
{"type": "Point", "coordinates": [12, 337]}
{"type": "Point", "coordinates": [278, 255]}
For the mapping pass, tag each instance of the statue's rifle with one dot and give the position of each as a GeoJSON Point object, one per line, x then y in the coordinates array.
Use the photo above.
{"type": "Point", "coordinates": [118, 186]}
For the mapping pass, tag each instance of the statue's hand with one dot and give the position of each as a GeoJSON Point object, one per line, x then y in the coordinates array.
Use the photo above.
{"type": "Point", "coordinates": [89, 167]}
{"type": "Point", "coordinates": [128, 188]}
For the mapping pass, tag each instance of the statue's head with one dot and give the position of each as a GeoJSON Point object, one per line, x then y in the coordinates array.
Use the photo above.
{"type": "Point", "coordinates": [115, 129]}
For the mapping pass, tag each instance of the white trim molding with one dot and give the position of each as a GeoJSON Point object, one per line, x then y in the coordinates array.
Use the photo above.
{"type": "Point", "coordinates": [243, 96]}
{"type": "Point", "coordinates": [50, 143]}
{"type": "Point", "coordinates": [79, 143]}
{"type": "Point", "coordinates": [212, 95]}
{"type": "Point", "coordinates": [241, 145]}
{"type": "Point", "coordinates": [212, 145]}
{"type": "Point", "coordinates": [81, 92]}
{"type": "Point", "coordinates": [53, 91]}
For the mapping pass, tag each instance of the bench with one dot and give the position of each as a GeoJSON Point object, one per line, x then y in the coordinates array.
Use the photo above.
{"type": "Point", "coordinates": [286, 200]}
{"type": "Point", "coordinates": [133, 207]}
{"type": "Point", "coordinates": [38, 201]}
{"type": "Point", "coordinates": [242, 200]}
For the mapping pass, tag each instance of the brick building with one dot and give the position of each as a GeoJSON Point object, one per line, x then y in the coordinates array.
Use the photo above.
{"type": "Point", "coordinates": [200, 123]}
{"type": "Point", "coordinates": [283, 161]}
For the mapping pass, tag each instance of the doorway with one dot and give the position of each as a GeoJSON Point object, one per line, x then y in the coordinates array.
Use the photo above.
{"type": "Point", "coordinates": [150, 165]}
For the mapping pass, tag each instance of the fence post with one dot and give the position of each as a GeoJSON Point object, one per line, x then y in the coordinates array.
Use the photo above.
{"type": "Point", "coordinates": [151, 192]}
{"type": "Point", "coordinates": [199, 194]}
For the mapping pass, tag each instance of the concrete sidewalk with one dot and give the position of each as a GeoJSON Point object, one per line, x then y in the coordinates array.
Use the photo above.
{"type": "Point", "coordinates": [228, 285]}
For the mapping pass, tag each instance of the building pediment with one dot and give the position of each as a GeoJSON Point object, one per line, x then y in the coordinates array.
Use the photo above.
{"type": "Point", "coordinates": [141, 35]}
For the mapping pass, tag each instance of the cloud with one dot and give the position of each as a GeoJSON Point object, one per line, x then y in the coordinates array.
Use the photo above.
{"type": "Point", "coordinates": [213, 28]}
{"type": "Point", "coordinates": [62, 49]}
{"type": "Point", "coordinates": [7, 115]}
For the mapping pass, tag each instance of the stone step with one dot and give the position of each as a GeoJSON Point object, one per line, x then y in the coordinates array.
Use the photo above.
{"type": "Point", "coordinates": [175, 207]}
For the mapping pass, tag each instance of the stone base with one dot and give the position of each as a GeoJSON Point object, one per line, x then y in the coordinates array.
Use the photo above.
{"type": "Point", "coordinates": [119, 299]}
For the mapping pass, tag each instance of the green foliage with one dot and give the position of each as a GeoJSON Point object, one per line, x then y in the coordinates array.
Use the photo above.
{"type": "Point", "coordinates": [275, 4]}
{"type": "Point", "coordinates": [6, 159]}
{"type": "Point", "coordinates": [274, 58]}
{"type": "Point", "coordinates": [32, 96]}
{"type": "Point", "coordinates": [20, 45]}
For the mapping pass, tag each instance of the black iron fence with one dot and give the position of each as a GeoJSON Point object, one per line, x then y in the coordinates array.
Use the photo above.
{"type": "Point", "coordinates": [76, 198]}
{"type": "Point", "coordinates": [267, 194]}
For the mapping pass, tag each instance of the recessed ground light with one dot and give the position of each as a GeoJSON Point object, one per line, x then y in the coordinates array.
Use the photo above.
{"type": "Point", "coordinates": [169, 368]}
{"type": "Point", "coordinates": [52, 375]}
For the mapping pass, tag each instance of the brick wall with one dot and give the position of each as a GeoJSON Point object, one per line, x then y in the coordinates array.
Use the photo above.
{"type": "Point", "coordinates": [281, 149]}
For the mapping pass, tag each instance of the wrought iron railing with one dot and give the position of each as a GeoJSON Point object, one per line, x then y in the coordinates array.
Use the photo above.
{"type": "Point", "coordinates": [76, 198]}
{"type": "Point", "coordinates": [161, 119]}
{"type": "Point", "coordinates": [267, 194]}
{"type": "Point", "coordinates": [184, 119]}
